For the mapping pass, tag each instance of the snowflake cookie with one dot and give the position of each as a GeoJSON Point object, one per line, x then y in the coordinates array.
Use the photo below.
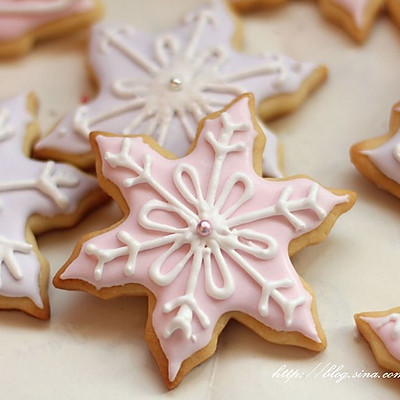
{"type": "Point", "coordinates": [378, 159]}
{"type": "Point", "coordinates": [35, 196]}
{"type": "Point", "coordinates": [207, 239]}
{"type": "Point", "coordinates": [381, 329]}
{"type": "Point", "coordinates": [164, 84]}
{"type": "Point", "coordinates": [23, 22]}
{"type": "Point", "coordinates": [354, 16]}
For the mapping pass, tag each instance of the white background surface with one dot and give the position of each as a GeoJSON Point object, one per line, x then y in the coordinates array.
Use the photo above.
{"type": "Point", "coordinates": [95, 349]}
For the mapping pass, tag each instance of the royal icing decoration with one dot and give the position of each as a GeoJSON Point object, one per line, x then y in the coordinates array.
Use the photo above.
{"type": "Point", "coordinates": [387, 328]}
{"type": "Point", "coordinates": [164, 85]}
{"type": "Point", "coordinates": [28, 187]}
{"type": "Point", "coordinates": [20, 17]}
{"type": "Point", "coordinates": [205, 234]}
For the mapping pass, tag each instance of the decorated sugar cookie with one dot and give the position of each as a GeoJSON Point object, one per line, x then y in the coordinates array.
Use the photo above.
{"type": "Point", "coordinates": [23, 22]}
{"type": "Point", "coordinates": [381, 329]}
{"type": "Point", "coordinates": [164, 84]}
{"type": "Point", "coordinates": [378, 159]}
{"type": "Point", "coordinates": [356, 17]}
{"type": "Point", "coordinates": [207, 239]}
{"type": "Point", "coordinates": [35, 196]}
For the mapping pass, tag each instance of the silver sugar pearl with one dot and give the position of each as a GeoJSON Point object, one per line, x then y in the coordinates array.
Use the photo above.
{"type": "Point", "coordinates": [175, 84]}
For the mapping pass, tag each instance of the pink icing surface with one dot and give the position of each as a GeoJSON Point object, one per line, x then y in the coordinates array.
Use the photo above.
{"type": "Point", "coordinates": [18, 205]}
{"type": "Point", "coordinates": [356, 8]}
{"type": "Point", "coordinates": [13, 26]}
{"type": "Point", "coordinates": [247, 293]}
{"type": "Point", "coordinates": [385, 333]}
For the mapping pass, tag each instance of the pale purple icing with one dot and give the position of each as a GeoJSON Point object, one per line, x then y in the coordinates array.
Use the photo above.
{"type": "Point", "coordinates": [18, 205]}
{"type": "Point", "coordinates": [208, 30]}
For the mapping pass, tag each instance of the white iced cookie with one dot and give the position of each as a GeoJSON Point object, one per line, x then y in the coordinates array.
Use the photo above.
{"type": "Point", "coordinates": [164, 84]}
{"type": "Point", "coordinates": [35, 196]}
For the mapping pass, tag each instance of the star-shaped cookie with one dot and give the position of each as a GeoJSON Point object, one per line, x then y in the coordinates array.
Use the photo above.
{"type": "Point", "coordinates": [23, 22]}
{"type": "Point", "coordinates": [35, 196]}
{"type": "Point", "coordinates": [378, 159]}
{"type": "Point", "coordinates": [206, 238]}
{"type": "Point", "coordinates": [164, 84]}
{"type": "Point", "coordinates": [356, 17]}
{"type": "Point", "coordinates": [381, 329]}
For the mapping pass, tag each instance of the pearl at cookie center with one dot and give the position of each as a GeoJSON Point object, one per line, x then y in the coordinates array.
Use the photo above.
{"type": "Point", "coordinates": [175, 84]}
{"type": "Point", "coordinates": [204, 228]}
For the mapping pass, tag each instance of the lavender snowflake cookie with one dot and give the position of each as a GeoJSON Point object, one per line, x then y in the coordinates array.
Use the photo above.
{"type": "Point", "coordinates": [35, 196]}
{"type": "Point", "coordinates": [163, 85]}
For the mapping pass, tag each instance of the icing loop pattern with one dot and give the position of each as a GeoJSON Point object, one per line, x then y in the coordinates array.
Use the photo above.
{"type": "Point", "coordinates": [205, 234]}
{"type": "Point", "coordinates": [224, 232]}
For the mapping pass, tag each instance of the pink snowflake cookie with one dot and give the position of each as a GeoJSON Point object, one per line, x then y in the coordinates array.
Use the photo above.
{"type": "Point", "coordinates": [23, 22]}
{"type": "Point", "coordinates": [381, 329]}
{"type": "Point", "coordinates": [207, 239]}
{"type": "Point", "coordinates": [35, 196]}
{"type": "Point", "coordinates": [164, 84]}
